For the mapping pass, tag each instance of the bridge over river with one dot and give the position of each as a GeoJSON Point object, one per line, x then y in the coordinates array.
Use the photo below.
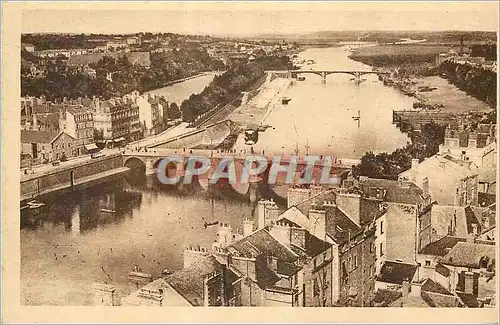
{"type": "Point", "coordinates": [357, 74]}
{"type": "Point", "coordinates": [149, 161]}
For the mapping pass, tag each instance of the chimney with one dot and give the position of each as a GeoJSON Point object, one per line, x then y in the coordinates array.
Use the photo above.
{"type": "Point", "coordinates": [247, 227]}
{"type": "Point", "coordinates": [104, 295]}
{"type": "Point", "coordinates": [415, 289]}
{"type": "Point", "coordinates": [413, 170]}
{"type": "Point", "coordinates": [456, 199]}
{"type": "Point", "coordinates": [425, 187]}
{"type": "Point", "coordinates": [317, 223]}
{"type": "Point", "coordinates": [296, 195]}
{"type": "Point", "coordinates": [35, 122]}
{"type": "Point", "coordinates": [406, 288]}
{"type": "Point", "coordinates": [267, 211]}
{"type": "Point", "coordinates": [225, 234]}
{"type": "Point", "coordinates": [281, 232]}
{"type": "Point", "coordinates": [474, 229]}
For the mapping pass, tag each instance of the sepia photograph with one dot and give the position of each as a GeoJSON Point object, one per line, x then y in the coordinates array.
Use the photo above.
{"type": "Point", "coordinates": [253, 154]}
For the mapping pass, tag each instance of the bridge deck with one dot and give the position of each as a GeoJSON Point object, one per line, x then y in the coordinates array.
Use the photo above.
{"type": "Point", "coordinates": [214, 154]}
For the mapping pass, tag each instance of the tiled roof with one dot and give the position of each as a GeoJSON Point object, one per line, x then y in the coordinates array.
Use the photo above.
{"type": "Point", "coordinates": [314, 245]}
{"type": "Point", "coordinates": [439, 247]}
{"type": "Point", "coordinates": [384, 297]}
{"type": "Point", "coordinates": [468, 254]}
{"type": "Point", "coordinates": [33, 136]}
{"type": "Point", "coordinates": [396, 193]}
{"type": "Point", "coordinates": [431, 286]}
{"type": "Point", "coordinates": [441, 216]}
{"type": "Point", "coordinates": [287, 269]}
{"type": "Point", "coordinates": [262, 243]}
{"type": "Point", "coordinates": [395, 272]}
{"type": "Point", "coordinates": [339, 226]}
{"type": "Point", "coordinates": [189, 282]}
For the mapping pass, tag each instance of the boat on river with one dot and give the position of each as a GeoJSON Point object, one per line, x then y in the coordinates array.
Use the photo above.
{"type": "Point", "coordinates": [285, 100]}
{"type": "Point", "coordinates": [108, 211]}
{"type": "Point", "coordinates": [251, 137]}
{"type": "Point", "coordinates": [33, 204]}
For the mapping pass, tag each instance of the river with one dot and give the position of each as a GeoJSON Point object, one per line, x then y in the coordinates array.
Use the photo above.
{"type": "Point", "coordinates": [320, 115]}
{"type": "Point", "coordinates": [70, 243]}
{"type": "Point", "coordinates": [181, 91]}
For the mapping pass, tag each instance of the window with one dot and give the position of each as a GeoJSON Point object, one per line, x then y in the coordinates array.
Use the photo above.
{"type": "Point", "coordinates": [355, 260]}
{"type": "Point", "coordinates": [427, 263]}
{"type": "Point", "coordinates": [372, 247]}
{"type": "Point", "coordinates": [325, 256]}
{"type": "Point", "coordinates": [381, 249]}
{"type": "Point", "coordinates": [381, 227]}
{"type": "Point", "coordinates": [315, 287]}
{"type": "Point", "coordinates": [314, 262]}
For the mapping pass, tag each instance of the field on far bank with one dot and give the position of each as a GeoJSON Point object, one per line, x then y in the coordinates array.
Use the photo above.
{"type": "Point", "coordinates": [453, 99]}
{"type": "Point", "coordinates": [385, 55]}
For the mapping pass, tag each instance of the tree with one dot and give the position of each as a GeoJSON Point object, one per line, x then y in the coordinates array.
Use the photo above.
{"type": "Point", "coordinates": [174, 112]}
{"type": "Point", "coordinates": [98, 135]}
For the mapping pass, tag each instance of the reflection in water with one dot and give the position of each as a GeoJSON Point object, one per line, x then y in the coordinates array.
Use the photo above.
{"type": "Point", "coordinates": [71, 243]}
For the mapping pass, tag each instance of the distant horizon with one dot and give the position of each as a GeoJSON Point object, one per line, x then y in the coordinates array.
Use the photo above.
{"type": "Point", "coordinates": [259, 18]}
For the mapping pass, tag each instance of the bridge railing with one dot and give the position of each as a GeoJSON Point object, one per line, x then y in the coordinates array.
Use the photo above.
{"type": "Point", "coordinates": [235, 154]}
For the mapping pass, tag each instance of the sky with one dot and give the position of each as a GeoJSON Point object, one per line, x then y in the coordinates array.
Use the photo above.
{"type": "Point", "coordinates": [246, 19]}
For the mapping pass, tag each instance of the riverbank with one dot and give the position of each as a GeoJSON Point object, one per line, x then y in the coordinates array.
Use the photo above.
{"type": "Point", "coordinates": [253, 113]}
{"type": "Point", "coordinates": [173, 82]}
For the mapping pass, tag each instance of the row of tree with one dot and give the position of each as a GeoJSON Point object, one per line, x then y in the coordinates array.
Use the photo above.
{"type": "Point", "coordinates": [476, 81]}
{"type": "Point", "coordinates": [224, 88]}
{"type": "Point", "coordinates": [389, 165]}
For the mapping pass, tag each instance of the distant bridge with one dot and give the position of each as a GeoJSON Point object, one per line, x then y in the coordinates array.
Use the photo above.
{"type": "Point", "coordinates": [323, 73]}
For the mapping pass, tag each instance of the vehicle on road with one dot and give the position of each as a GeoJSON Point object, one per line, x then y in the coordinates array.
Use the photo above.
{"type": "Point", "coordinates": [97, 155]}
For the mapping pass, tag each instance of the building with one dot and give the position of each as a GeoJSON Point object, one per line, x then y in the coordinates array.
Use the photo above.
{"type": "Point", "coordinates": [342, 218]}
{"type": "Point", "coordinates": [425, 293]}
{"type": "Point", "coordinates": [282, 265]}
{"type": "Point", "coordinates": [402, 204]}
{"type": "Point", "coordinates": [150, 113]}
{"type": "Point", "coordinates": [468, 269]}
{"type": "Point", "coordinates": [46, 146]}
{"type": "Point", "coordinates": [478, 146]}
{"type": "Point", "coordinates": [447, 180]}
{"type": "Point", "coordinates": [116, 45]}
{"type": "Point", "coordinates": [118, 120]}
{"type": "Point", "coordinates": [78, 121]}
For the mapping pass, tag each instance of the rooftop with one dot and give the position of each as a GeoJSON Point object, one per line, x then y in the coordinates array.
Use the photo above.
{"type": "Point", "coordinates": [410, 194]}
{"type": "Point", "coordinates": [396, 272]}
{"type": "Point", "coordinates": [189, 282]}
{"type": "Point", "coordinates": [262, 243]}
{"type": "Point", "coordinates": [441, 246]}
{"type": "Point", "coordinates": [468, 254]}
{"type": "Point", "coordinates": [34, 136]}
